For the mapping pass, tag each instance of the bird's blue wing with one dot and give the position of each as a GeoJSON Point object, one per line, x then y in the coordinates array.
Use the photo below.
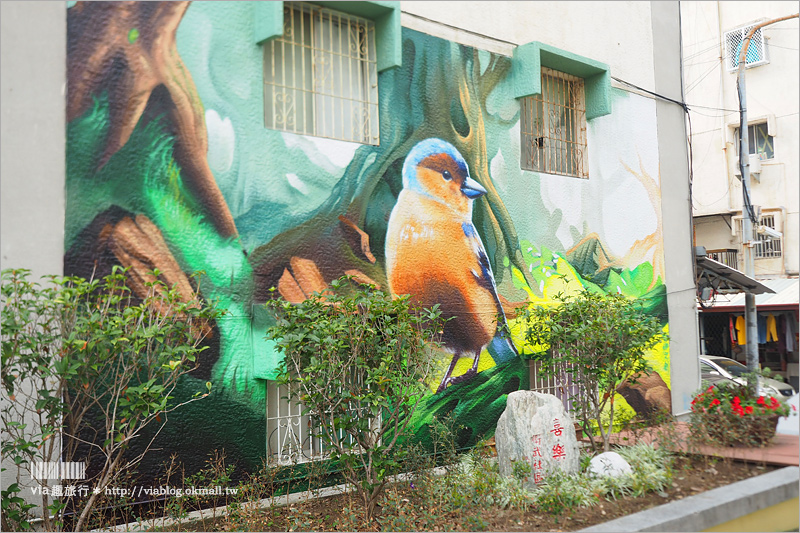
{"type": "Point", "coordinates": [501, 348]}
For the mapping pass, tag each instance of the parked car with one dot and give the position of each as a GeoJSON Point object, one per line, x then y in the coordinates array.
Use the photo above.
{"type": "Point", "coordinates": [714, 367]}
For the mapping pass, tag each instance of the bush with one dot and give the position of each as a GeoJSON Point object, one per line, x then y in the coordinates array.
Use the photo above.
{"type": "Point", "coordinates": [733, 415]}
{"type": "Point", "coordinates": [592, 343]}
{"type": "Point", "coordinates": [86, 367]}
{"type": "Point", "coordinates": [357, 360]}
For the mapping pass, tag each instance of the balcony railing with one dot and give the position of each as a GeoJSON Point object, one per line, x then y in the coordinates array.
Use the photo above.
{"type": "Point", "coordinates": [727, 257]}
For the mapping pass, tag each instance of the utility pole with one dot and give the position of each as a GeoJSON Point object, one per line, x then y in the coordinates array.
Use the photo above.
{"type": "Point", "coordinates": [748, 216]}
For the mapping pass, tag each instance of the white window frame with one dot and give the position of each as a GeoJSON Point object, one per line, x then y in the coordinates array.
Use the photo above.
{"type": "Point", "coordinates": [763, 246]}
{"type": "Point", "coordinates": [753, 125]}
{"type": "Point", "coordinates": [321, 76]}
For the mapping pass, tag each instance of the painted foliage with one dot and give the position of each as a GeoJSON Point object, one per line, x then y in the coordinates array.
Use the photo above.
{"type": "Point", "coordinates": [169, 166]}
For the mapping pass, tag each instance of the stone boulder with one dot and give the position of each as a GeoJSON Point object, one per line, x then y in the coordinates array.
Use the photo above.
{"type": "Point", "coordinates": [535, 428]}
{"type": "Point", "coordinates": [609, 464]}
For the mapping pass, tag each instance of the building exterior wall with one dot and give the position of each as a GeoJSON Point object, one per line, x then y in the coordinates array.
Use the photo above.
{"type": "Point", "coordinates": [191, 180]}
{"type": "Point", "coordinates": [772, 96]}
{"type": "Point", "coordinates": [32, 96]}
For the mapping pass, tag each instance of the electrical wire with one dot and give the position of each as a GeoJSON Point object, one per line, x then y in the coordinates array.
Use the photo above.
{"type": "Point", "coordinates": [696, 112]}
{"type": "Point", "coordinates": [751, 214]}
{"type": "Point", "coordinates": [667, 98]}
{"type": "Point", "coordinates": [783, 47]}
{"type": "Point", "coordinates": [703, 76]}
{"type": "Point", "coordinates": [693, 106]}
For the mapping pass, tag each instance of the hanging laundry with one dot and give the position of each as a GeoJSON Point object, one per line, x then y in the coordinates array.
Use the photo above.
{"type": "Point", "coordinates": [732, 329]}
{"type": "Point", "coordinates": [772, 329]}
{"type": "Point", "coordinates": [788, 325]}
{"type": "Point", "coordinates": [741, 336]}
{"type": "Point", "coordinates": [761, 322]}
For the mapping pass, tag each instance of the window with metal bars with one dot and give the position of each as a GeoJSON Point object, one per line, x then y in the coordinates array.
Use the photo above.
{"type": "Point", "coordinates": [294, 435]}
{"type": "Point", "coordinates": [321, 77]}
{"type": "Point", "coordinates": [561, 385]}
{"type": "Point", "coordinates": [756, 51]}
{"type": "Point", "coordinates": [759, 141]}
{"type": "Point", "coordinates": [764, 247]}
{"type": "Point", "coordinates": [725, 256]}
{"type": "Point", "coordinates": [553, 127]}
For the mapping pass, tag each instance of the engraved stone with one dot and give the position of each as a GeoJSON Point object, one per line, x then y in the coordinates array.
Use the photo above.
{"type": "Point", "coordinates": [535, 428]}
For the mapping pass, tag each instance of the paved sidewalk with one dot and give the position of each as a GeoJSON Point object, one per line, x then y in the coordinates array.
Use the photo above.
{"type": "Point", "coordinates": [784, 450]}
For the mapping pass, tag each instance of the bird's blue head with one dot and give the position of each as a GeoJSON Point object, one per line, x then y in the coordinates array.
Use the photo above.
{"type": "Point", "coordinates": [436, 169]}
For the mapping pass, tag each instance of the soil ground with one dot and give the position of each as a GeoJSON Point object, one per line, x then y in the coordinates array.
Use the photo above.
{"type": "Point", "coordinates": [692, 475]}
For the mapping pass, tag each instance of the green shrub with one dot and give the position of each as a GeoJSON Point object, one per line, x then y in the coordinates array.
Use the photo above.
{"type": "Point", "coordinates": [90, 360]}
{"type": "Point", "coordinates": [357, 360]}
{"type": "Point", "coordinates": [596, 341]}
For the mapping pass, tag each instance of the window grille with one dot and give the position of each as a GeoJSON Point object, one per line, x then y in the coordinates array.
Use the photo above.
{"type": "Point", "coordinates": [758, 139]}
{"type": "Point", "coordinates": [756, 52]}
{"type": "Point", "coordinates": [553, 127]}
{"type": "Point", "coordinates": [321, 76]}
{"type": "Point", "coordinates": [764, 246]}
{"type": "Point", "coordinates": [294, 437]}
{"type": "Point", "coordinates": [561, 385]}
{"type": "Point", "coordinates": [727, 257]}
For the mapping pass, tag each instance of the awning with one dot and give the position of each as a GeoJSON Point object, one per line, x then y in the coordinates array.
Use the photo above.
{"type": "Point", "coordinates": [784, 295]}
{"type": "Point", "coordinates": [724, 279]}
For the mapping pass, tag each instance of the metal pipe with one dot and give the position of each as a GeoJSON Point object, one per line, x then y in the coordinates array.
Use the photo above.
{"type": "Point", "coordinates": [750, 316]}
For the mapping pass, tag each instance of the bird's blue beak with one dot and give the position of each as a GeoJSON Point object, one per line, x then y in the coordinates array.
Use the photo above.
{"type": "Point", "coordinates": [472, 189]}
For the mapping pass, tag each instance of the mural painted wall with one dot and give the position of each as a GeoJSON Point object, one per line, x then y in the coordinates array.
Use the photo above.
{"type": "Point", "coordinates": [169, 166]}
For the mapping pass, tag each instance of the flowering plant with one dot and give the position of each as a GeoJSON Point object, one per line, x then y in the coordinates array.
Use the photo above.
{"type": "Point", "coordinates": [732, 415]}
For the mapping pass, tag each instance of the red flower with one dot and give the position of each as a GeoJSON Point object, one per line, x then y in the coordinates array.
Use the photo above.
{"type": "Point", "coordinates": [715, 402]}
{"type": "Point", "coordinates": [736, 400]}
{"type": "Point", "coordinates": [760, 400]}
{"type": "Point", "coordinates": [749, 409]}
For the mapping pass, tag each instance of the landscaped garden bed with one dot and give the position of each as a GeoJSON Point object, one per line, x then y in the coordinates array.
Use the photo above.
{"type": "Point", "coordinates": [406, 506]}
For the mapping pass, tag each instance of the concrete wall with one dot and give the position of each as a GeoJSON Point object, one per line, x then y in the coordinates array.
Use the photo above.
{"type": "Point", "coordinates": [32, 82]}
{"type": "Point", "coordinates": [32, 134]}
{"type": "Point", "coordinates": [673, 156]}
{"type": "Point", "coordinates": [772, 95]}
{"type": "Point", "coordinates": [590, 29]}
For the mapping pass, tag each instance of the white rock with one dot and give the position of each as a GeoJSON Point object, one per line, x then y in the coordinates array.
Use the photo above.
{"type": "Point", "coordinates": [609, 464]}
{"type": "Point", "coordinates": [535, 428]}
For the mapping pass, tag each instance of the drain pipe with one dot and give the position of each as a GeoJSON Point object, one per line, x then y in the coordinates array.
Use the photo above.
{"type": "Point", "coordinates": [748, 214]}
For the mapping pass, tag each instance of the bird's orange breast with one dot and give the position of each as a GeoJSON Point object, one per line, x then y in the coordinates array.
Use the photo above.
{"type": "Point", "coordinates": [430, 257]}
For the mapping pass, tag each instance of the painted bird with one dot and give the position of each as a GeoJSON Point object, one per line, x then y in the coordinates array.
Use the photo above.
{"type": "Point", "coordinates": [434, 253]}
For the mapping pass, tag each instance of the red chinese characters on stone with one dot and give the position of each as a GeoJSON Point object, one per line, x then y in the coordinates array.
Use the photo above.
{"type": "Point", "coordinates": [537, 442]}
{"type": "Point", "coordinates": [557, 428]}
{"type": "Point", "coordinates": [558, 452]}
{"type": "Point", "coordinates": [538, 477]}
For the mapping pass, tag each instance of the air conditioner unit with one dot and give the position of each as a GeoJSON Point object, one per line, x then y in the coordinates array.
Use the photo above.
{"type": "Point", "coordinates": [757, 51]}
{"type": "Point", "coordinates": [755, 167]}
